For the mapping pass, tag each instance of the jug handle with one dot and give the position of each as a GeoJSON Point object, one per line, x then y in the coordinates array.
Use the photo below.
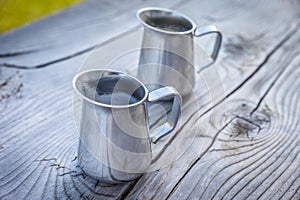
{"type": "Point", "coordinates": [208, 30]}
{"type": "Point", "coordinates": [166, 94]}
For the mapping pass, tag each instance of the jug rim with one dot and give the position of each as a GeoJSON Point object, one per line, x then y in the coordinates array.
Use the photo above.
{"type": "Point", "coordinates": [84, 97]}
{"type": "Point", "coordinates": [192, 23]}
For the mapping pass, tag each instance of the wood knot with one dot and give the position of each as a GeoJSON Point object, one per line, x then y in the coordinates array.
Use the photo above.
{"type": "Point", "coordinates": [10, 86]}
{"type": "Point", "coordinates": [243, 45]}
{"type": "Point", "coordinates": [243, 123]}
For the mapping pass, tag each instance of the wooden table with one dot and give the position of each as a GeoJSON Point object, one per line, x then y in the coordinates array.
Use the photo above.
{"type": "Point", "coordinates": [242, 141]}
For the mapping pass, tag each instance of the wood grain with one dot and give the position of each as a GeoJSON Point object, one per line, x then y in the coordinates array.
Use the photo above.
{"type": "Point", "coordinates": [241, 141]}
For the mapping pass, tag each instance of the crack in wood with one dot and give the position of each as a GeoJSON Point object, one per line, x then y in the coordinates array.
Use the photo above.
{"type": "Point", "coordinates": [17, 53]}
{"type": "Point", "coordinates": [66, 173]}
{"type": "Point", "coordinates": [57, 166]}
{"type": "Point", "coordinates": [8, 65]}
{"type": "Point", "coordinates": [96, 184]}
{"type": "Point", "coordinates": [46, 159]}
{"type": "Point", "coordinates": [5, 82]}
{"type": "Point", "coordinates": [269, 88]}
{"type": "Point", "coordinates": [75, 158]}
{"type": "Point", "coordinates": [49, 63]}
{"type": "Point", "coordinates": [80, 174]}
{"type": "Point", "coordinates": [127, 191]}
{"type": "Point", "coordinates": [197, 160]}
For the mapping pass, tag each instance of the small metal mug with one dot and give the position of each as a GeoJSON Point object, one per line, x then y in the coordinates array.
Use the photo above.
{"type": "Point", "coordinates": [115, 137]}
{"type": "Point", "coordinates": [167, 49]}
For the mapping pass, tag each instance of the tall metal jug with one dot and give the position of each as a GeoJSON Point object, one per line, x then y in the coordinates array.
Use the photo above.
{"type": "Point", "coordinates": [167, 52]}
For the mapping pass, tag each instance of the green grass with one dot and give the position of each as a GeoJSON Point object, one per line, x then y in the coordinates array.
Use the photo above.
{"type": "Point", "coordinates": [14, 13]}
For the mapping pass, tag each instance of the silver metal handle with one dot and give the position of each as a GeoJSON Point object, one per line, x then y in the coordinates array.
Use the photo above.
{"type": "Point", "coordinates": [166, 94]}
{"type": "Point", "coordinates": [208, 30]}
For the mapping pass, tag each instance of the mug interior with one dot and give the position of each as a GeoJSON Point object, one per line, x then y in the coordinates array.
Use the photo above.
{"type": "Point", "coordinates": [165, 20]}
{"type": "Point", "coordinates": [110, 88]}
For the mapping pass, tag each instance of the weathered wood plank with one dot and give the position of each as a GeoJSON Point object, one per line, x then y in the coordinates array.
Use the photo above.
{"type": "Point", "coordinates": [38, 140]}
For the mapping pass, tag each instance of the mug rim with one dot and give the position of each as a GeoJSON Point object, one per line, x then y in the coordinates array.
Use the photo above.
{"type": "Point", "coordinates": [84, 97]}
{"type": "Point", "coordinates": [142, 10]}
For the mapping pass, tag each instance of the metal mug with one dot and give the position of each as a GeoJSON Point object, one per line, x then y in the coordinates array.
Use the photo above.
{"type": "Point", "coordinates": [115, 137]}
{"type": "Point", "coordinates": [167, 52]}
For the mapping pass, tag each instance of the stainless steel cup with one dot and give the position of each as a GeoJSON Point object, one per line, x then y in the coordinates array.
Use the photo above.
{"type": "Point", "coordinates": [167, 49]}
{"type": "Point", "coordinates": [115, 137]}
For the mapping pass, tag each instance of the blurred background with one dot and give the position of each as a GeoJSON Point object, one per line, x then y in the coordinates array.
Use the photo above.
{"type": "Point", "coordinates": [14, 13]}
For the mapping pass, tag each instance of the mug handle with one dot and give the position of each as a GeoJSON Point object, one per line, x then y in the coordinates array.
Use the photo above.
{"type": "Point", "coordinates": [166, 94]}
{"type": "Point", "coordinates": [208, 30]}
